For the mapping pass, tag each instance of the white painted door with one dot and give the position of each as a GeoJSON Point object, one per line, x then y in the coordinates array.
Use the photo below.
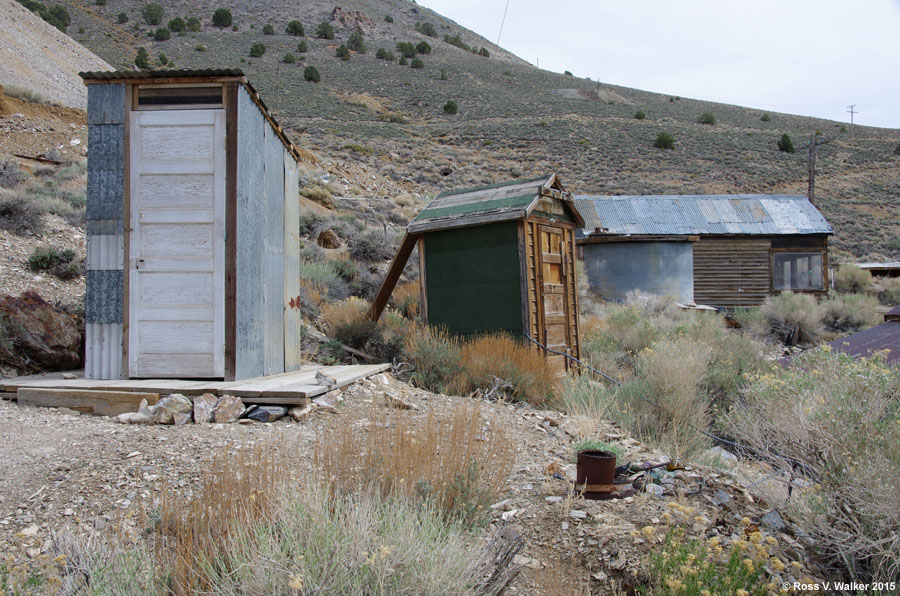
{"type": "Point", "coordinates": [176, 324]}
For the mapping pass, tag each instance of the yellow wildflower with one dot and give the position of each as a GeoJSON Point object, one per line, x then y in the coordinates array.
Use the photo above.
{"type": "Point", "coordinates": [296, 582]}
{"type": "Point", "coordinates": [777, 564]}
{"type": "Point", "coordinates": [714, 541]}
{"type": "Point", "coordinates": [755, 538]}
{"type": "Point", "coordinates": [648, 532]}
{"type": "Point", "coordinates": [741, 592]}
{"type": "Point", "coordinates": [745, 521]}
{"type": "Point", "coordinates": [748, 563]}
{"type": "Point", "coordinates": [674, 584]}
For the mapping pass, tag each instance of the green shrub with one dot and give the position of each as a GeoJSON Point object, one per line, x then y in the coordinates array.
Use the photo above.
{"type": "Point", "coordinates": [456, 40]}
{"type": "Point", "coordinates": [888, 290]}
{"type": "Point", "coordinates": [423, 48]}
{"type": "Point", "coordinates": [56, 15]}
{"type": "Point", "coordinates": [11, 175]}
{"type": "Point", "coordinates": [58, 262]}
{"type": "Point", "coordinates": [568, 73]}
{"type": "Point", "coordinates": [383, 54]}
{"type": "Point", "coordinates": [153, 14]}
{"type": "Point", "coordinates": [355, 42]}
{"type": "Point", "coordinates": [177, 25]}
{"type": "Point", "coordinates": [664, 141]}
{"type": "Point", "coordinates": [324, 30]}
{"type": "Point", "coordinates": [371, 246]}
{"type": "Point", "coordinates": [20, 215]}
{"type": "Point", "coordinates": [852, 279]}
{"type": "Point", "coordinates": [436, 358]}
{"type": "Point", "coordinates": [789, 311]}
{"type": "Point", "coordinates": [388, 18]}
{"type": "Point", "coordinates": [311, 74]}
{"type": "Point", "coordinates": [443, 74]}
{"type": "Point", "coordinates": [142, 60]}
{"type": "Point", "coordinates": [222, 18]}
{"type": "Point", "coordinates": [295, 28]}
{"type": "Point", "coordinates": [640, 115]}
{"type": "Point", "coordinates": [707, 118]}
{"type": "Point", "coordinates": [122, 18]}
{"type": "Point", "coordinates": [162, 34]}
{"type": "Point", "coordinates": [765, 118]}
{"type": "Point", "coordinates": [406, 48]}
{"type": "Point", "coordinates": [257, 50]}
{"type": "Point", "coordinates": [450, 107]}
{"type": "Point", "coordinates": [316, 193]}
{"type": "Point", "coordinates": [200, 47]}
{"type": "Point", "coordinates": [342, 52]}
{"type": "Point", "coordinates": [426, 29]}
{"type": "Point", "coordinates": [163, 59]}
{"type": "Point", "coordinates": [839, 427]}
{"type": "Point", "coordinates": [268, 29]}
{"type": "Point", "coordinates": [193, 24]}
{"type": "Point", "coordinates": [416, 63]}
{"type": "Point", "coordinates": [289, 58]}
{"type": "Point", "coordinates": [403, 61]}
{"type": "Point", "coordinates": [785, 144]}
{"type": "Point", "coordinates": [850, 312]}
{"type": "Point", "coordinates": [594, 445]}
{"type": "Point", "coordinates": [897, 149]}
{"type": "Point", "coordinates": [302, 47]}
{"type": "Point", "coordinates": [483, 52]}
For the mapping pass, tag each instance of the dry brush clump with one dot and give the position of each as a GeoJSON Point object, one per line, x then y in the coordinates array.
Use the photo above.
{"type": "Point", "coordinates": [457, 462]}
{"type": "Point", "coordinates": [788, 311]}
{"type": "Point", "coordinates": [838, 419]}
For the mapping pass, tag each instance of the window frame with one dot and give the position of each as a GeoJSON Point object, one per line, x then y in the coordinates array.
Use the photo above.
{"type": "Point", "coordinates": [800, 251]}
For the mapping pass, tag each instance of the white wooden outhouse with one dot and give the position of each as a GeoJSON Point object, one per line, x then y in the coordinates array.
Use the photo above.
{"type": "Point", "coordinates": [192, 229]}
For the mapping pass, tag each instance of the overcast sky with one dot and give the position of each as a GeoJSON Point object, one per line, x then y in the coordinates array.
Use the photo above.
{"type": "Point", "coordinates": [809, 57]}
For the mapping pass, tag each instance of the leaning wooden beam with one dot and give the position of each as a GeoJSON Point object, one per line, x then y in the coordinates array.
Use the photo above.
{"type": "Point", "coordinates": [393, 276]}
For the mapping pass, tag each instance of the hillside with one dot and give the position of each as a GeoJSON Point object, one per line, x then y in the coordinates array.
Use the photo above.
{"type": "Point", "coordinates": [386, 120]}
{"type": "Point", "coordinates": [36, 55]}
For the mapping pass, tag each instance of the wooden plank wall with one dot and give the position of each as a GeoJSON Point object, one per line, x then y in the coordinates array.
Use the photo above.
{"type": "Point", "coordinates": [292, 318]}
{"type": "Point", "coordinates": [273, 240]}
{"type": "Point", "coordinates": [571, 295]}
{"type": "Point", "coordinates": [534, 296]}
{"type": "Point", "coordinates": [251, 221]}
{"type": "Point", "coordinates": [731, 271]}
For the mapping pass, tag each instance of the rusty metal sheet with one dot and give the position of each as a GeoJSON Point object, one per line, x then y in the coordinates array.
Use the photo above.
{"type": "Point", "coordinates": [882, 337]}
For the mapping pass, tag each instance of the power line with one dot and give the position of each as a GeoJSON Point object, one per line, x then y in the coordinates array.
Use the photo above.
{"type": "Point", "coordinates": [502, 22]}
{"type": "Point", "coordinates": [851, 111]}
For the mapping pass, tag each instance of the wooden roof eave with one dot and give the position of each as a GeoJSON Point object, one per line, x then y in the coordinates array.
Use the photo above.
{"type": "Point", "coordinates": [553, 188]}
{"type": "Point", "coordinates": [446, 223]}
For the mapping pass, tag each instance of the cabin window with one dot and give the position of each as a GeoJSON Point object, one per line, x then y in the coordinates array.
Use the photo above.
{"type": "Point", "coordinates": [161, 97]}
{"type": "Point", "coordinates": [797, 271]}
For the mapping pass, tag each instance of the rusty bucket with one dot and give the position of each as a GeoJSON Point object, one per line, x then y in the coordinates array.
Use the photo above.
{"type": "Point", "coordinates": [596, 476]}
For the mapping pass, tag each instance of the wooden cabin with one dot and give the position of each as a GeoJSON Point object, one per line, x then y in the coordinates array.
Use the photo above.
{"type": "Point", "coordinates": [718, 250]}
{"type": "Point", "coordinates": [192, 229]}
{"type": "Point", "coordinates": [498, 258]}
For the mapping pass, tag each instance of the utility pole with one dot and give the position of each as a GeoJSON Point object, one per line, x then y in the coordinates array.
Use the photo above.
{"type": "Point", "coordinates": [813, 148]}
{"type": "Point", "coordinates": [851, 111]}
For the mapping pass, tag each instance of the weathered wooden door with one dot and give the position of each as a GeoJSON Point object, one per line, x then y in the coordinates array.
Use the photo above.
{"type": "Point", "coordinates": [176, 322]}
{"type": "Point", "coordinates": [553, 295]}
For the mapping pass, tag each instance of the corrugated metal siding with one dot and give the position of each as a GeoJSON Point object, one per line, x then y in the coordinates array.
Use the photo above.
{"type": "Point", "coordinates": [104, 283]}
{"type": "Point", "coordinates": [292, 318]}
{"type": "Point", "coordinates": [274, 254]}
{"type": "Point", "coordinates": [701, 214]}
{"type": "Point", "coordinates": [731, 272]}
{"type": "Point", "coordinates": [251, 221]}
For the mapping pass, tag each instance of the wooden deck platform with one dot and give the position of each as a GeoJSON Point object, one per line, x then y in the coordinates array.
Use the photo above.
{"type": "Point", "coordinates": [293, 388]}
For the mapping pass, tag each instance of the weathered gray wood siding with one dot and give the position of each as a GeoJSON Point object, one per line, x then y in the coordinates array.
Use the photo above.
{"type": "Point", "coordinates": [292, 318]}
{"type": "Point", "coordinates": [104, 291]}
{"type": "Point", "coordinates": [251, 219]}
{"type": "Point", "coordinates": [274, 243]}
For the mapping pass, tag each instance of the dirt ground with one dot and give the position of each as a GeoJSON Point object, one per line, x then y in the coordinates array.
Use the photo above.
{"type": "Point", "coordinates": [91, 474]}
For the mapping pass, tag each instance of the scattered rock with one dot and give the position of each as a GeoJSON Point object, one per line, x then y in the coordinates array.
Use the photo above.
{"type": "Point", "coordinates": [653, 490]}
{"type": "Point", "coordinates": [773, 521]}
{"type": "Point", "coordinates": [330, 399]}
{"type": "Point", "coordinates": [553, 499]}
{"type": "Point", "coordinates": [526, 562]}
{"type": "Point", "coordinates": [133, 418]}
{"type": "Point", "coordinates": [267, 413]}
{"type": "Point", "coordinates": [507, 515]}
{"type": "Point", "coordinates": [164, 411]}
{"type": "Point", "coordinates": [69, 376]}
{"type": "Point", "coordinates": [229, 409]}
{"type": "Point", "coordinates": [69, 411]}
{"type": "Point", "coordinates": [204, 406]}
{"type": "Point", "coordinates": [398, 402]}
{"type": "Point", "coordinates": [722, 454]}
{"type": "Point", "coordinates": [577, 514]}
{"type": "Point", "coordinates": [181, 419]}
{"type": "Point", "coordinates": [328, 239]}
{"type": "Point", "coordinates": [720, 497]}
{"type": "Point", "coordinates": [299, 413]}
{"type": "Point", "coordinates": [323, 379]}
{"type": "Point", "coordinates": [501, 504]}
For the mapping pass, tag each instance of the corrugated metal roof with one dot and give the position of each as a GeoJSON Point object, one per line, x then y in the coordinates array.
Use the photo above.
{"type": "Point", "coordinates": [154, 74]}
{"type": "Point", "coordinates": [876, 339]}
{"type": "Point", "coordinates": [701, 214]}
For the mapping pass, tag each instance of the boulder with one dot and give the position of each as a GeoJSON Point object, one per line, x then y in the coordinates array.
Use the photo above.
{"type": "Point", "coordinates": [330, 399]}
{"type": "Point", "coordinates": [181, 419]}
{"type": "Point", "coordinates": [229, 409]}
{"type": "Point", "coordinates": [133, 418]}
{"type": "Point", "coordinates": [204, 406]}
{"type": "Point", "coordinates": [164, 411]}
{"type": "Point", "coordinates": [298, 413]}
{"type": "Point", "coordinates": [267, 413]}
{"type": "Point", "coordinates": [328, 239]}
{"type": "Point", "coordinates": [45, 337]}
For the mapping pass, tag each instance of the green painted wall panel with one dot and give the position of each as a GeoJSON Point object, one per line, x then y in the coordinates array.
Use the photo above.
{"type": "Point", "coordinates": [473, 278]}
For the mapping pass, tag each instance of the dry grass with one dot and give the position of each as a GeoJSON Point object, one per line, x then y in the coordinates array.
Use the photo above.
{"type": "Point", "coordinates": [458, 462]}
{"type": "Point", "coordinates": [851, 279]}
{"type": "Point", "coordinates": [407, 299]}
{"type": "Point", "coordinates": [197, 533]}
{"type": "Point", "coordinates": [501, 366]}
{"type": "Point", "coordinates": [347, 312]}
{"type": "Point", "coordinates": [788, 311]}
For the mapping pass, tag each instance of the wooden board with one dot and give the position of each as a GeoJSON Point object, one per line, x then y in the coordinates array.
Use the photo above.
{"type": "Point", "coordinates": [100, 403]}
